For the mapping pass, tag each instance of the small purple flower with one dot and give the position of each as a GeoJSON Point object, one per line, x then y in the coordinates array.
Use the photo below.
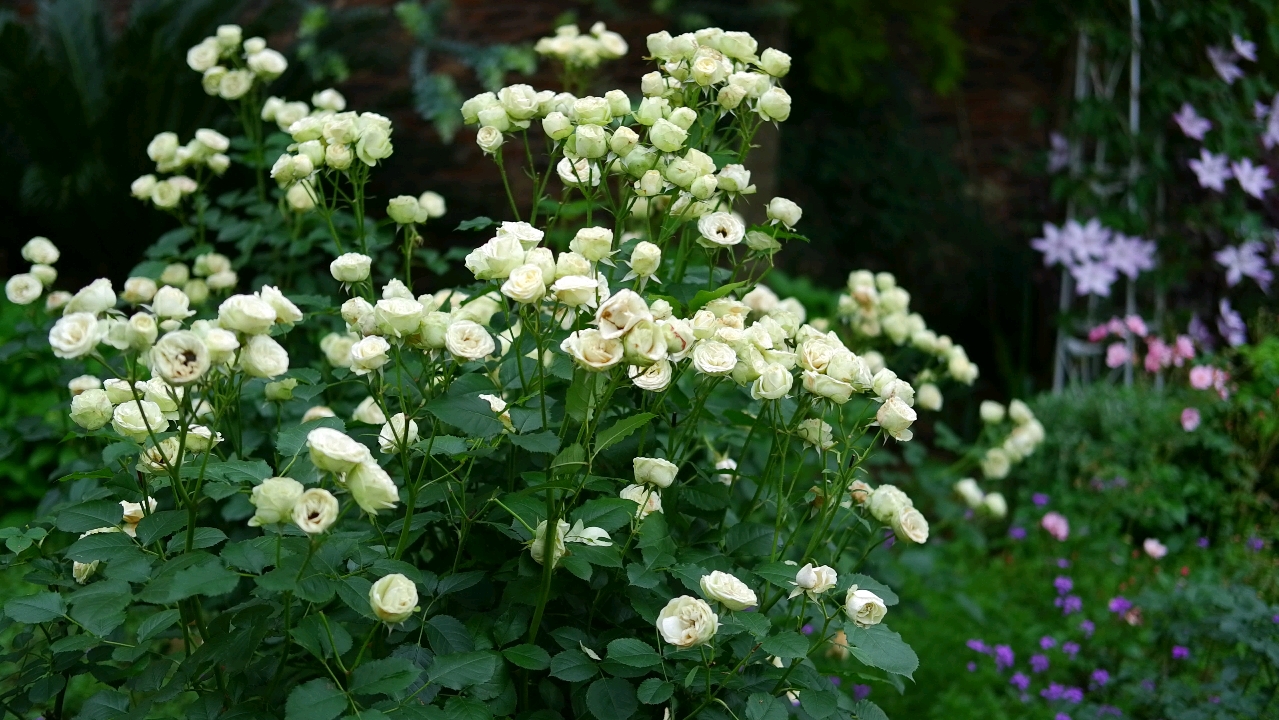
{"type": "Point", "coordinates": [1120, 605]}
{"type": "Point", "coordinates": [1212, 170]}
{"type": "Point", "coordinates": [891, 539]}
{"type": "Point", "coordinates": [1054, 691]}
{"type": "Point", "coordinates": [1192, 125]}
{"type": "Point", "coordinates": [1047, 642]}
{"type": "Point", "coordinates": [1094, 277]}
{"type": "Point", "coordinates": [1063, 563]}
{"type": "Point", "coordinates": [861, 692]}
{"type": "Point", "coordinates": [1070, 648]}
{"type": "Point", "coordinates": [1039, 499]}
{"type": "Point", "coordinates": [1063, 584]}
{"type": "Point", "coordinates": [807, 629]}
{"type": "Point", "coordinates": [1110, 710]}
{"type": "Point", "coordinates": [978, 646]}
{"type": "Point", "coordinates": [1020, 680]}
{"type": "Point", "coordinates": [972, 666]}
{"type": "Point", "coordinates": [1148, 685]}
{"type": "Point", "coordinates": [1062, 716]}
{"type": "Point", "coordinates": [1100, 676]}
{"type": "Point", "coordinates": [1202, 542]}
{"type": "Point", "coordinates": [1038, 663]}
{"type": "Point", "coordinates": [1231, 325]}
{"type": "Point", "coordinates": [1215, 699]}
{"type": "Point", "coordinates": [1253, 179]}
{"type": "Point", "coordinates": [1088, 627]}
{"type": "Point", "coordinates": [1275, 619]}
{"type": "Point", "coordinates": [1069, 604]}
{"type": "Point", "coordinates": [1180, 652]}
{"type": "Point", "coordinates": [1074, 695]}
{"type": "Point", "coordinates": [1245, 261]}
{"type": "Point", "coordinates": [1003, 657]}
{"type": "Point", "coordinates": [1256, 544]}
{"type": "Point", "coordinates": [1017, 533]}
{"type": "Point", "coordinates": [834, 681]}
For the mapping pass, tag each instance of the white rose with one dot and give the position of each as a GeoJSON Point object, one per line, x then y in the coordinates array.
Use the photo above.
{"type": "Point", "coordinates": [334, 451]}
{"type": "Point", "coordinates": [141, 331]}
{"type": "Point", "coordinates": [575, 290]}
{"type": "Point", "coordinates": [56, 300]}
{"type": "Point", "coordinates": [620, 312]}
{"type": "Point", "coordinates": [724, 588]}
{"type": "Point", "coordinates": [828, 387]}
{"type": "Point", "coordinates": [46, 274]}
{"type": "Point", "coordinates": [775, 62]}
{"type": "Point", "coordinates": [369, 354]}
{"type": "Point", "coordinates": [337, 348]}
{"type": "Point", "coordinates": [394, 437]}
{"type": "Point", "coordinates": [645, 344]}
{"type": "Point", "coordinates": [679, 337]}
{"type": "Point", "coordinates": [75, 335]}
{"type": "Point", "coordinates": [895, 417]}
{"type": "Point", "coordinates": [623, 141]}
{"type": "Point", "coordinates": [40, 251]}
{"type": "Point", "coordinates": [351, 267]}
{"type": "Point", "coordinates": [247, 314]}
{"type": "Point", "coordinates": [592, 350]}
{"type": "Point", "coordinates": [200, 438]}
{"type": "Point", "coordinates": [489, 139]}
{"type": "Point", "coordinates": [774, 104]}
{"type": "Point", "coordinates": [397, 316]}
{"type": "Point", "coordinates": [222, 345]}
{"type": "Point", "coordinates": [479, 310]}
{"type": "Point", "coordinates": [368, 412]}
{"type": "Point", "coordinates": [687, 622]}
{"type": "Point", "coordinates": [773, 383]}
{"type": "Point", "coordinates": [405, 210]}
{"type": "Point", "coordinates": [666, 135]}
{"type": "Point", "coordinates": [995, 464]}
{"type": "Point", "coordinates": [557, 126]}
{"type": "Point", "coordinates": [264, 357]}
{"type": "Point", "coordinates": [929, 397]}
{"type": "Point", "coordinates": [136, 419]}
{"type": "Point", "coordinates": [537, 548]}
{"type": "Point", "coordinates": [393, 598]}
{"type": "Point", "coordinates": [358, 314]}
{"type": "Point", "coordinates": [80, 384]}
{"type": "Point", "coordinates": [285, 310]}
{"type": "Point", "coordinates": [992, 412]}
{"type": "Point", "coordinates": [526, 284]}
{"type": "Point", "coordinates": [864, 607]}
{"type": "Point", "coordinates": [646, 258]}
{"type": "Point", "coordinates": [784, 211]}
{"type": "Point", "coordinates": [995, 506]}
{"type": "Point", "coordinates": [23, 289]}
{"type": "Point", "coordinates": [590, 141]}
{"type": "Point", "coordinates": [91, 409]}
{"type": "Point", "coordinates": [180, 357]}
{"type": "Point", "coordinates": [93, 298]}
{"type": "Point", "coordinates": [817, 433]}
{"type": "Point", "coordinates": [274, 500]}
{"type": "Point", "coordinates": [712, 357]}
{"type": "Point", "coordinates": [887, 502]}
{"type": "Point", "coordinates": [909, 525]}
{"type": "Point", "coordinates": [432, 204]}
{"type": "Point", "coordinates": [83, 571]}
{"type": "Point", "coordinates": [468, 340]}
{"type": "Point", "coordinates": [593, 243]}
{"type": "Point", "coordinates": [971, 493]}
{"type": "Point", "coordinates": [814, 580]}
{"type": "Point", "coordinates": [720, 229]}
{"type": "Point", "coordinates": [315, 511]}
{"type": "Point", "coordinates": [138, 290]}
{"type": "Point", "coordinates": [575, 173]}
{"type": "Point", "coordinates": [654, 378]}
{"type": "Point", "coordinates": [234, 84]}
{"type": "Point", "coordinates": [654, 471]}
{"type": "Point", "coordinates": [497, 258]}
{"type": "Point", "coordinates": [1020, 412]}
{"type": "Point", "coordinates": [646, 496]}
{"type": "Point", "coordinates": [434, 331]}
{"type": "Point", "coordinates": [371, 487]}
{"type": "Point", "coordinates": [171, 302]}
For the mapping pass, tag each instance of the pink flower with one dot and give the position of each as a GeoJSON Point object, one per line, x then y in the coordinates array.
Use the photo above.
{"type": "Point", "coordinates": [1158, 355]}
{"type": "Point", "coordinates": [1201, 376]}
{"type": "Point", "coordinates": [1154, 548]}
{"type": "Point", "coordinates": [1136, 325]}
{"type": "Point", "coordinates": [1190, 420]}
{"type": "Point", "coordinates": [1219, 380]}
{"type": "Point", "coordinates": [1057, 525]}
{"type": "Point", "coordinates": [1117, 354]}
{"type": "Point", "coordinates": [1115, 326]}
{"type": "Point", "coordinates": [1098, 333]}
{"type": "Point", "coordinates": [1182, 350]}
{"type": "Point", "coordinates": [1191, 124]}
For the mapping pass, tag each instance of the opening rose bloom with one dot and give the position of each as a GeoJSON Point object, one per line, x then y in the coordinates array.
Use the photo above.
{"type": "Point", "coordinates": [687, 622]}
{"type": "Point", "coordinates": [814, 580]}
{"type": "Point", "coordinates": [274, 500]}
{"type": "Point", "coordinates": [655, 471]}
{"type": "Point", "coordinates": [393, 598]}
{"type": "Point", "coordinates": [864, 607]}
{"type": "Point", "coordinates": [728, 590]}
{"type": "Point", "coordinates": [315, 511]}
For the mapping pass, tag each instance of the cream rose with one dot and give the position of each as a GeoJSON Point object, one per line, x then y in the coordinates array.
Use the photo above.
{"type": "Point", "coordinates": [724, 588]}
{"type": "Point", "coordinates": [180, 357]}
{"type": "Point", "coordinates": [970, 492]}
{"type": "Point", "coordinates": [654, 378]}
{"type": "Point", "coordinates": [393, 598]}
{"type": "Point", "coordinates": [369, 354]}
{"type": "Point", "coordinates": [712, 357]}
{"type": "Point", "coordinates": [592, 351]}
{"type": "Point", "coordinates": [397, 316]}
{"type": "Point", "coordinates": [371, 487]}
{"type": "Point", "coordinates": [91, 409]}
{"type": "Point", "coordinates": [646, 496]}
{"type": "Point", "coordinates": [886, 502]}
{"type": "Point", "coordinates": [537, 548]}
{"type": "Point", "coordinates": [264, 357]}
{"type": "Point", "coordinates": [909, 525]}
{"type": "Point", "coordinates": [393, 436]}
{"type": "Point", "coordinates": [895, 417]}
{"type": "Point", "coordinates": [526, 284]}
{"type": "Point", "coordinates": [576, 290]}
{"type": "Point", "coordinates": [248, 314]}
{"type": "Point", "coordinates": [315, 511]}
{"type": "Point", "coordinates": [273, 500]}
{"type": "Point", "coordinates": [368, 412]}
{"type": "Point", "coordinates": [773, 383]}
{"type": "Point", "coordinates": [351, 267]}
{"type": "Point", "coordinates": [654, 471]}
{"type": "Point", "coordinates": [468, 340]}
{"type": "Point", "coordinates": [687, 622]}
{"type": "Point", "coordinates": [995, 464]}
{"type": "Point", "coordinates": [334, 451]}
{"type": "Point", "coordinates": [23, 289]}
{"type": "Point", "coordinates": [137, 419]}
{"type": "Point", "coordinates": [864, 607]}
{"type": "Point", "coordinates": [817, 433]}
{"type": "Point", "coordinates": [814, 580]}
{"type": "Point", "coordinates": [720, 229]}
{"type": "Point", "coordinates": [75, 335]}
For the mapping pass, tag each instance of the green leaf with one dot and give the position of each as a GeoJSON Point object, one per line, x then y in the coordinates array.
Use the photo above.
{"type": "Point", "coordinates": [609, 513]}
{"type": "Point", "coordinates": [442, 445]}
{"type": "Point", "coordinates": [464, 669]}
{"type": "Point", "coordinates": [240, 472]}
{"type": "Point", "coordinates": [786, 645]}
{"type": "Point", "coordinates": [633, 652]}
{"type": "Point", "coordinates": [458, 582]}
{"type": "Point", "coordinates": [611, 699]}
{"type": "Point", "coordinates": [384, 677]}
{"type": "Point", "coordinates": [760, 706]}
{"type": "Point", "coordinates": [249, 555]}
{"type": "Point", "coordinates": [447, 635]}
{"type": "Point", "coordinates": [572, 666]}
{"type": "Point", "coordinates": [157, 623]}
{"type": "Point", "coordinates": [204, 537]}
{"type": "Point", "coordinates": [102, 546]}
{"type": "Point", "coordinates": [312, 634]}
{"type": "Point", "coordinates": [462, 407]}
{"type": "Point", "coordinates": [756, 624]}
{"type": "Point", "coordinates": [160, 525]}
{"type": "Point", "coordinates": [779, 573]}
{"type": "Point", "coordinates": [476, 223]}
{"type": "Point", "coordinates": [292, 440]}
{"type": "Point", "coordinates": [530, 657]}
{"type": "Point", "coordinates": [38, 608]}
{"type": "Point", "coordinates": [619, 431]}
{"type": "Point", "coordinates": [90, 516]}
{"type": "Point", "coordinates": [543, 442]}
{"type": "Point", "coordinates": [704, 296]}
{"type": "Point", "coordinates": [655, 691]}
{"type": "Point", "coordinates": [315, 700]}
{"type": "Point", "coordinates": [883, 591]}
{"type": "Point", "coordinates": [819, 703]}
{"type": "Point", "coordinates": [100, 607]}
{"type": "Point", "coordinates": [195, 573]}
{"type": "Point", "coordinates": [571, 455]}
{"type": "Point", "coordinates": [880, 647]}
{"type": "Point", "coordinates": [459, 708]}
{"type": "Point", "coordinates": [749, 538]}
{"type": "Point", "coordinates": [867, 710]}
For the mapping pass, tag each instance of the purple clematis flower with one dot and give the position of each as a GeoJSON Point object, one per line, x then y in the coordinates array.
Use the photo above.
{"type": "Point", "coordinates": [1191, 124]}
{"type": "Point", "coordinates": [1212, 170]}
{"type": "Point", "coordinates": [1245, 260]}
{"type": "Point", "coordinates": [1254, 179]}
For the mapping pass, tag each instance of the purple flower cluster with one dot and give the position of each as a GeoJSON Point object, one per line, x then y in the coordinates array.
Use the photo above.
{"type": "Point", "coordinates": [1101, 677]}
{"type": "Point", "coordinates": [1020, 680]}
{"type": "Point", "coordinates": [1039, 499]}
{"type": "Point", "coordinates": [1017, 533]}
{"type": "Point", "coordinates": [1088, 627]}
{"type": "Point", "coordinates": [1047, 642]}
{"type": "Point", "coordinates": [1038, 663]}
{"type": "Point", "coordinates": [861, 692]}
{"type": "Point", "coordinates": [1120, 605]}
{"type": "Point", "coordinates": [978, 646]}
{"type": "Point", "coordinates": [1063, 584]}
{"type": "Point", "coordinates": [1095, 255]}
{"type": "Point", "coordinates": [1057, 691]}
{"type": "Point", "coordinates": [1004, 657]}
{"type": "Point", "coordinates": [1071, 649]}
{"type": "Point", "coordinates": [1180, 652]}
{"type": "Point", "coordinates": [1256, 544]}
